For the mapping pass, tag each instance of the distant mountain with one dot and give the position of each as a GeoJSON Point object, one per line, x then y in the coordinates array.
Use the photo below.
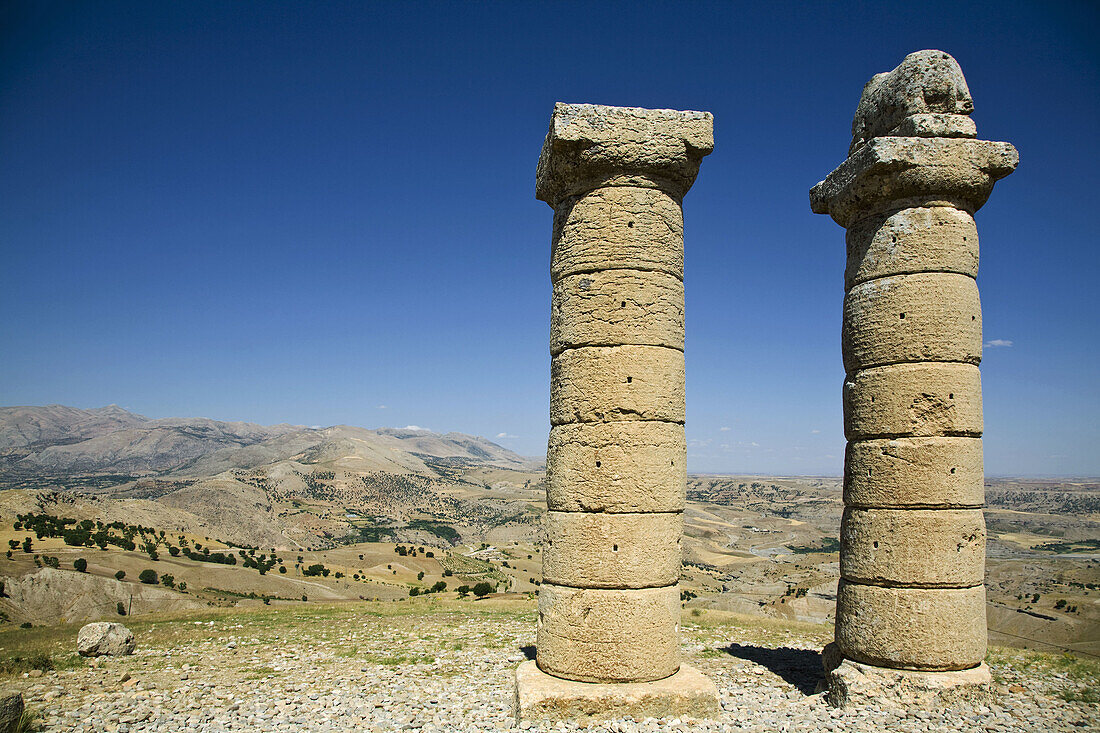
{"type": "Point", "coordinates": [26, 430]}
{"type": "Point", "coordinates": [56, 440]}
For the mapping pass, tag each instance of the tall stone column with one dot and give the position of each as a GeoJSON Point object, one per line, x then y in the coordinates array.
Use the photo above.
{"type": "Point", "coordinates": [910, 620]}
{"type": "Point", "coordinates": [609, 603]}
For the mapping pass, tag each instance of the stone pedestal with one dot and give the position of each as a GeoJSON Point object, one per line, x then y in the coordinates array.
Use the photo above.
{"type": "Point", "coordinates": [609, 604]}
{"type": "Point", "coordinates": [910, 623]}
{"type": "Point", "coordinates": [851, 683]}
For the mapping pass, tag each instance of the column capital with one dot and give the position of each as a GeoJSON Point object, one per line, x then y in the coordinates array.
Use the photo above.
{"type": "Point", "coordinates": [591, 145]}
{"type": "Point", "coordinates": [888, 173]}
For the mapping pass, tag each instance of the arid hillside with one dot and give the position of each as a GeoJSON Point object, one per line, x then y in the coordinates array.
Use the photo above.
{"type": "Point", "coordinates": [346, 513]}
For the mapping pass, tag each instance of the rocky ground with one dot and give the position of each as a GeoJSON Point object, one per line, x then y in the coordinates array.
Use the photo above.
{"type": "Point", "coordinates": [448, 665]}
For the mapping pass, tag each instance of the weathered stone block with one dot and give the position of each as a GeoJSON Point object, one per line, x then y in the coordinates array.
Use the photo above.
{"type": "Point", "coordinates": [618, 228]}
{"type": "Point", "coordinates": [601, 383]}
{"type": "Point", "coordinates": [686, 694]}
{"type": "Point", "coordinates": [616, 307]}
{"type": "Point", "coordinates": [925, 548]}
{"type": "Point", "coordinates": [890, 173]}
{"type": "Point", "coordinates": [925, 84]}
{"type": "Point", "coordinates": [628, 466]}
{"type": "Point", "coordinates": [931, 316]}
{"type": "Point", "coordinates": [920, 239]}
{"type": "Point", "coordinates": [911, 628]}
{"type": "Point", "coordinates": [592, 145]}
{"type": "Point", "coordinates": [913, 400]}
{"type": "Point", "coordinates": [914, 472]}
{"type": "Point", "coordinates": [594, 635]}
{"type": "Point", "coordinates": [850, 683]}
{"type": "Point", "coordinates": [600, 550]}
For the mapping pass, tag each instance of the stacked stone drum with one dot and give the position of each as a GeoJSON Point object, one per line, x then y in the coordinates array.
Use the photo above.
{"type": "Point", "coordinates": [911, 593]}
{"type": "Point", "coordinates": [609, 603]}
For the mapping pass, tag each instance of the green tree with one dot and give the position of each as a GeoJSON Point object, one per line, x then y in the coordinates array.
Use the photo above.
{"type": "Point", "coordinates": [482, 589]}
{"type": "Point", "coordinates": [414, 591]}
{"type": "Point", "coordinates": [80, 565]}
{"type": "Point", "coordinates": [148, 576]}
{"type": "Point", "coordinates": [120, 608]}
{"type": "Point", "coordinates": [120, 575]}
{"type": "Point", "coordinates": [420, 575]}
{"type": "Point", "coordinates": [463, 591]}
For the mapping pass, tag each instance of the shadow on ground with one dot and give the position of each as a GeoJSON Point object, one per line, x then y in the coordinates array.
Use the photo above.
{"type": "Point", "coordinates": [799, 667]}
{"type": "Point", "coordinates": [528, 651]}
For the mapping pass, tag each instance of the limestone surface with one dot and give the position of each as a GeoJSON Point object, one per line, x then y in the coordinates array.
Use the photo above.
{"type": "Point", "coordinates": [926, 84]}
{"type": "Point", "coordinates": [685, 694]}
{"type": "Point", "coordinates": [891, 173]}
{"type": "Point", "coordinates": [924, 398]}
{"type": "Point", "coordinates": [851, 684]}
{"type": "Point", "coordinates": [914, 472]}
{"type": "Point", "coordinates": [591, 146]}
{"type": "Point", "coordinates": [597, 635]}
{"type": "Point", "coordinates": [615, 307]}
{"type": "Point", "coordinates": [600, 550]}
{"type": "Point", "coordinates": [626, 466]}
{"type": "Point", "coordinates": [618, 228]}
{"type": "Point", "coordinates": [921, 548]}
{"type": "Point", "coordinates": [930, 316]}
{"type": "Point", "coordinates": [919, 239]}
{"type": "Point", "coordinates": [600, 383]}
{"type": "Point", "coordinates": [932, 629]}
{"type": "Point", "coordinates": [103, 638]}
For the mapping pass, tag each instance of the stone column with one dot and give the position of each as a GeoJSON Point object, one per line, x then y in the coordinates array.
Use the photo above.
{"type": "Point", "coordinates": [910, 620]}
{"type": "Point", "coordinates": [609, 603]}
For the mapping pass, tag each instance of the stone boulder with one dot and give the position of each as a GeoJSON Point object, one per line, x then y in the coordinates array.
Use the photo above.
{"type": "Point", "coordinates": [11, 711]}
{"type": "Point", "coordinates": [102, 638]}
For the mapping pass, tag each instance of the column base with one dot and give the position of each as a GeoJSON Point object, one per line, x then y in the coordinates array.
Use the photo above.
{"type": "Point", "coordinates": [850, 683]}
{"type": "Point", "coordinates": [686, 694]}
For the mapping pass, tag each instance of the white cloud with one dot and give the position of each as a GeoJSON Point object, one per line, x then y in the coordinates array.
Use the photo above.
{"type": "Point", "coordinates": [506, 435]}
{"type": "Point", "coordinates": [723, 429]}
{"type": "Point", "coordinates": [417, 427]}
{"type": "Point", "coordinates": [997, 342]}
{"type": "Point", "coordinates": [381, 407]}
{"type": "Point", "coordinates": [815, 431]}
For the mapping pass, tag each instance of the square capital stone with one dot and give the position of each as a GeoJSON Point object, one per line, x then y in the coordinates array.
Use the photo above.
{"type": "Point", "coordinates": [589, 146]}
{"type": "Point", "coordinates": [889, 173]}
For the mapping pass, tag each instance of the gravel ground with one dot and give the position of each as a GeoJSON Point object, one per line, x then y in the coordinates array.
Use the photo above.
{"type": "Point", "coordinates": [444, 669]}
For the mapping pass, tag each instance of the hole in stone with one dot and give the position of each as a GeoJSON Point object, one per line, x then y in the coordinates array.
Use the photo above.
{"type": "Point", "coordinates": [952, 470]}
{"type": "Point", "coordinates": [893, 237]}
{"type": "Point", "coordinates": [964, 239]}
{"type": "Point", "coordinates": [872, 399]}
{"type": "Point", "coordinates": [630, 224]}
{"type": "Point", "coordinates": [903, 315]}
{"type": "Point", "coordinates": [598, 464]}
{"type": "Point", "coordinates": [629, 380]}
{"type": "Point", "coordinates": [672, 463]}
{"type": "Point", "coordinates": [623, 304]}
{"type": "Point", "coordinates": [868, 472]}
{"type": "Point", "coordinates": [951, 396]}
{"type": "Point", "coordinates": [614, 548]}
{"type": "Point", "coordinates": [973, 318]}
{"type": "Point", "coordinates": [875, 544]}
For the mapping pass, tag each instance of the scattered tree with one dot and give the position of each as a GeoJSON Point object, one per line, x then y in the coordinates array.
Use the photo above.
{"type": "Point", "coordinates": [80, 565]}
{"type": "Point", "coordinates": [148, 576]}
{"type": "Point", "coordinates": [482, 589]}
{"type": "Point", "coordinates": [120, 575]}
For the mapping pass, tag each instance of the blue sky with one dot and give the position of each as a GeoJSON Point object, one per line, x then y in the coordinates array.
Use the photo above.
{"type": "Point", "coordinates": [324, 213]}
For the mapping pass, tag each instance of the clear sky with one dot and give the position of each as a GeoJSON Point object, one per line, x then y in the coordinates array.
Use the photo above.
{"type": "Point", "coordinates": [323, 213]}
